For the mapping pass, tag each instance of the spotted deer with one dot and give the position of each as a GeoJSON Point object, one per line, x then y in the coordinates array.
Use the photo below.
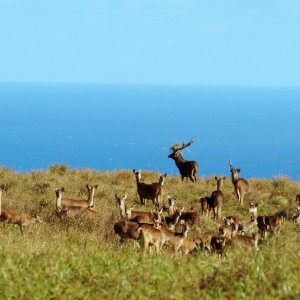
{"type": "Point", "coordinates": [151, 191]}
{"type": "Point", "coordinates": [83, 203]}
{"type": "Point", "coordinates": [267, 224]}
{"type": "Point", "coordinates": [14, 217]}
{"type": "Point", "coordinates": [187, 168]}
{"type": "Point", "coordinates": [241, 185]}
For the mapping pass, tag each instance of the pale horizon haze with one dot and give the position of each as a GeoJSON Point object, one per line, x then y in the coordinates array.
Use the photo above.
{"type": "Point", "coordinates": [251, 43]}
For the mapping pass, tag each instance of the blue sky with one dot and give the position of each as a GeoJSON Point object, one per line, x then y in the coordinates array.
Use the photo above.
{"type": "Point", "coordinates": [151, 42]}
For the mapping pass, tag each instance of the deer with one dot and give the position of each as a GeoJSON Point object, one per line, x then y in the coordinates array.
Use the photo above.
{"type": "Point", "coordinates": [189, 246]}
{"type": "Point", "coordinates": [171, 221]}
{"type": "Point", "coordinates": [187, 168]}
{"type": "Point", "coordinates": [204, 201]}
{"type": "Point", "coordinates": [14, 217]}
{"type": "Point", "coordinates": [121, 203]}
{"type": "Point", "coordinates": [174, 240]}
{"type": "Point", "coordinates": [144, 217]}
{"type": "Point", "coordinates": [82, 203]}
{"type": "Point", "coordinates": [151, 236]}
{"type": "Point", "coordinates": [127, 230]}
{"type": "Point", "coordinates": [217, 245]}
{"type": "Point", "coordinates": [296, 218]}
{"type": "Point", "coordinates": [241, 225]}
{"type": "Point", "coordinates": [63, 210]}
{"type": "Point", "coordinates": [190, 217]}
{"type": "Point", "coordinates": [241, 185]}
{"type": "Point", "coordinates": [244, 241]}
{"type": "Point", "coordinates": [266, 224]}
{"type": "Point", "coordinates": [172, 208]}
{"type": "Point", "coordinates": [152, 191]}
{"type": "Point", "coordinates": [216, 199]}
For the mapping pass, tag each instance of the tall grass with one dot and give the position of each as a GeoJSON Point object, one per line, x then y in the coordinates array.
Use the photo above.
{"type": "Point", "coordinates": [83, 259]}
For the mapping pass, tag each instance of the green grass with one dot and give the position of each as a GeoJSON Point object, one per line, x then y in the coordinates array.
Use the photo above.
{"type": "Point", "coordinates": [83, 259]}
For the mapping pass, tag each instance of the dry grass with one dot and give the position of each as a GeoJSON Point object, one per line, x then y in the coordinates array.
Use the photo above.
{"type": "Point", "coordinates": [83, 259]}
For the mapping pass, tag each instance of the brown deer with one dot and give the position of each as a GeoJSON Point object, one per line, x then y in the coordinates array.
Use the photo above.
{"type": "Point", "coordinates": [244, 241]}
{"type": "Point", "coordinates": [187, 168]}
{"type": "Point", "coordinates": [296, 218]}
{"type": "Point", "coordinates": [242, 225]}
{"type": "Point", "coordinates": [217, 245]}
{"type": "Point", "coordinates": [216, 200]}
{"type": "Point", "coordinates": [127, 230]}
{"type": "Point", "coordinates": [14, 217]}
{"type": "Point", "coordinates": [174, 240]}
{"type": "Point", "coordinates": [121, 203]}
{"type": "Point", "coordinates": [205, 205]}
{"type": "Point", "coordinates": [172, 221]}
{"type": "Point", "coordinates": [63, 210]}
{"type": "Point", "coordinates": [189, 246]}
{"type": "Point", "coordinates": [144, 217]}
{"type": "Point", "coordinates": [151, 191]}
{"type": "Point", "coordinates": [83, 203]}
{"type": "Point", "coordinates": [241, 185]}
{"type": "Point", "coordinates": [151, 236]}
{"type": "Point", "coordinates": [267, 224]}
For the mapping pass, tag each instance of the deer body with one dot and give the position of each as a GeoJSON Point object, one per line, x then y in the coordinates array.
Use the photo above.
{"type": "Point", "coordinates": [216, 199]}
{"type": "Point", "coordinates": [21, 219]}
{"type": "Point", "coordinates": [127, 230]}
{"type": "Point", "coordinates": [205, 205]}
{"type": "Point", "coordinates": [266, 224]}
{"type": "Point", "coordinates": [244, 241]}
{"type": "Point", "coordinates": [64, 210]}
{"type": "Point", "coordinates": [82, 203]}
{"type": "Point", "coordinates": [14, 217]}
{"type": "Point", "coordinates": [241, 185]}
{"type": "Point", "coordinates": [151, 191]}
{"type": "Point", "coordinates": [151, 236]}
{"type": "Point", "coordinates": [189, 246]}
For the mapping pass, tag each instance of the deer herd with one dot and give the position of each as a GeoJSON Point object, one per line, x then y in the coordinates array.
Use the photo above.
{"type": "Point", "coordinates": [169, 225]}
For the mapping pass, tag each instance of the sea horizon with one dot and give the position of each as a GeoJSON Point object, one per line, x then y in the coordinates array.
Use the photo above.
{"type": "Point", "coordinates": [104, 127]}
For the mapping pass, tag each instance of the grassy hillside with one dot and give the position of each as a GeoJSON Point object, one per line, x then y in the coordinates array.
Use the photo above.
{"type": "Point", "coordinates": [83, 259]}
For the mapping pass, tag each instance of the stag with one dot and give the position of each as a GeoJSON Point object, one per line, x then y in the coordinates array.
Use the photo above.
{"type": "Point", "coordinates": [187, 168]}
{"type": "Point", "coordinates": [241, 185]}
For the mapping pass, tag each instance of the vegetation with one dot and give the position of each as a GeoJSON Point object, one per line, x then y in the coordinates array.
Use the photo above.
{"type": "Point", "coordinates": [83, 259]}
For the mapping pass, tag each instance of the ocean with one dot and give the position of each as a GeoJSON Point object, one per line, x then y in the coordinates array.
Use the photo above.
{"type": "Point", "coordinates": [110, 127]}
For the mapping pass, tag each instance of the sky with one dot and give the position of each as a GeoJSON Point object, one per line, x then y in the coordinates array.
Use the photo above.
{"type": "Point", "coordinates": [177, 42]}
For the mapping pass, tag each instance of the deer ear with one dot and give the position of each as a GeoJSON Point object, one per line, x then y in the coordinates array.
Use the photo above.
{"type": "Point", "coordinates": [224, 178]}
{"type": "Point", "coordinates": [133, 170]}
{"type": "Point", "coordinates": [165, 175]}
{"type": "Point", "coordinates": [62, 189]}
{"type": "Point", "coordinates": [216, 178]}
{"type": "Point", "coordinates": [238, 170]}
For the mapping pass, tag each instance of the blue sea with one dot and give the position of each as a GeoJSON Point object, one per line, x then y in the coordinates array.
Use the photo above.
{"type": "Point", "coordinates": [109, 127]}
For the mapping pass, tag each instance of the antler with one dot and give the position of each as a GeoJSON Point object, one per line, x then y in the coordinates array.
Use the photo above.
{"type": "Point", "coordinates": [183, 146]}
{"type": "Point", "coordinates": [230, 164]}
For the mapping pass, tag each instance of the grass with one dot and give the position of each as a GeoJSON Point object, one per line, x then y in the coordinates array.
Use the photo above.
{"type": "Point", "coordinates": [83, 259]}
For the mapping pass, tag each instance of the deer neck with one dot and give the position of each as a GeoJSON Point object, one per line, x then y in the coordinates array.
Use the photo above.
{"type": "Point", "coordinates": [179, 159]}
{"type": "Point", "coordinates": [58, 201]}
{"type": "Point", "coordinates": [122, 210]}
{"type": "Point", "coordinates": [219, 185]}
{"type": "Point", "coordinates": [234, 178]}
{"type": "Point", "coordinates": [91, 197]}
{"type": "Point", "coordinates": [0, 201]}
